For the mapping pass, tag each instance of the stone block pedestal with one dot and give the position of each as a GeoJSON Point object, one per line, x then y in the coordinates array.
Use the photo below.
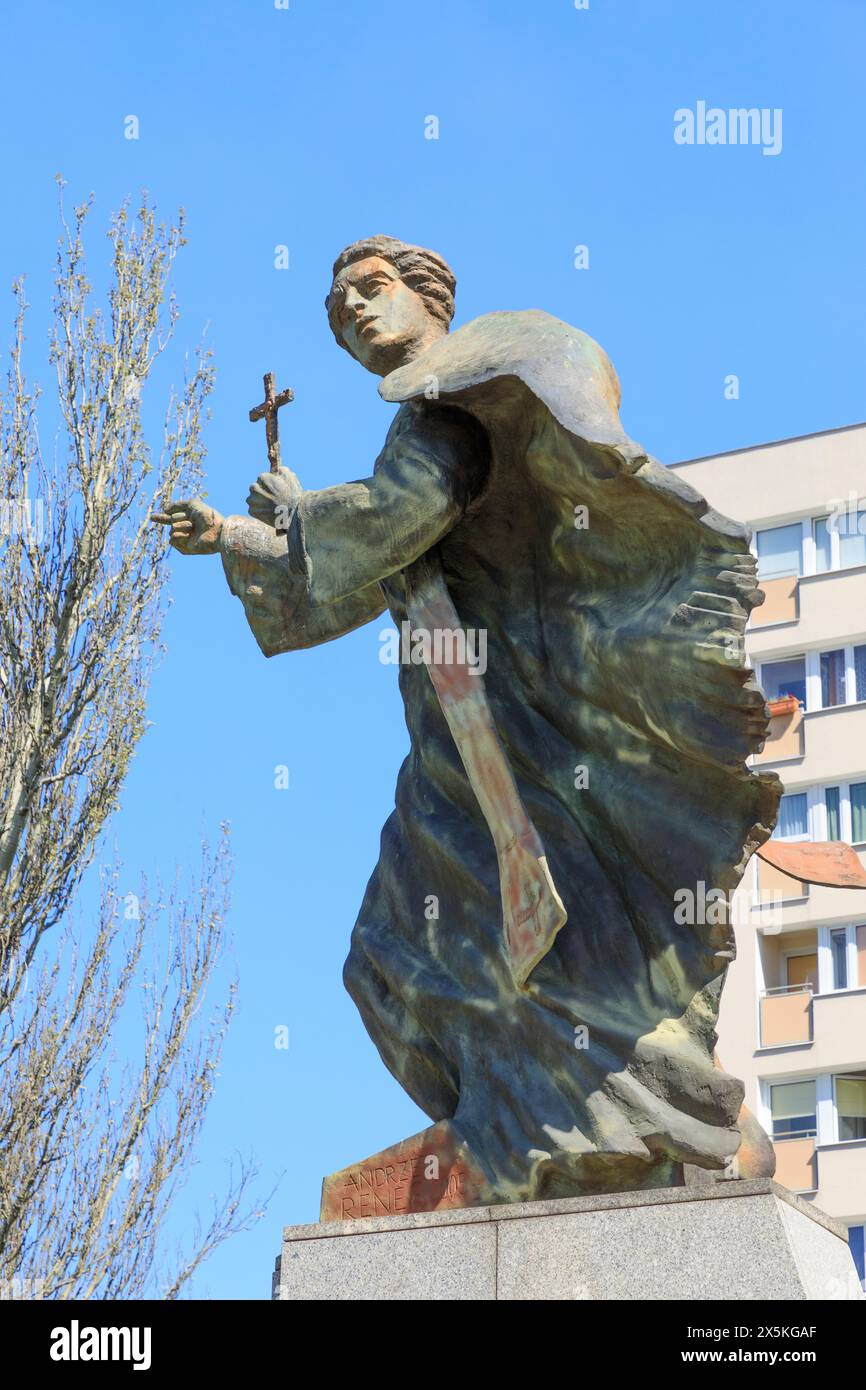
{"type": "Point", "coordinates": [729, 1240]}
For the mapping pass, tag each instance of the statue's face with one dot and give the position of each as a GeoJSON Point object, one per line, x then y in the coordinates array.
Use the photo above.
{"type": "Point", "coordinates": [382, 322]}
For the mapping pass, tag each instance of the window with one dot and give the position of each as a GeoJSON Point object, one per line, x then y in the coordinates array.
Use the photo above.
{"type": "Point", "coordinates": [860, 673]}
{"type": "Point", "coordinates": [839, 952]}
{"type": "Point", "coordinates": [781, 678]}
{"type": "Point", "coordinates": [793, 1109]}
{"type": "Point", "coordinates": [779, 551]}
{"type": "Point", "coordinates": [852, 539]}
{"type": "Point", "coordinates": [823, 545]}
{"type": "Point", "coordinates": [793, 821]}
{"type": "Point", "coordinates": [802, 970]}
{"type": "Point", "coordinates": [845, 807]}
{"type": "Point", "coordinates": [838, 541]}
{"type": "Point", "coordinates": [832, 678]}
{"type": "Point", "coordinates": [839, 961]}
{"type": "Point", "coordinates": [851, 1106]}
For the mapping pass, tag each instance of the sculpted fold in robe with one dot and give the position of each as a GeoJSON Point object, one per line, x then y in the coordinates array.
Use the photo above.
{"type": "Point", "coordinates": [614, 646]}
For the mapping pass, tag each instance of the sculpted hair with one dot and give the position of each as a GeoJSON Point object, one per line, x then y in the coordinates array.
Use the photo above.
{"type": "Point", "coordinates": [423, 271]}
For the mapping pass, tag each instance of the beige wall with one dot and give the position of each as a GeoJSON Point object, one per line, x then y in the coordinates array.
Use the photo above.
{"type": "Point", "coordinates": [833, 748]}
{"type": "Point", "coordinates": [838, 1040]}
{"type": "Point", "coordinates": [780, 480]}
{"type": "Point", "coordinates": [821, 907]}
{"type": "Point", "coordinates": [795, 1164]}
{"type": "Point", "coordinates": [842, 1181]}
{"type": "Point", "coordinates": [832, 611]}
{"type": "Point", "coordinates": [786, 1018]}
{"type": "Point", "coordinates": [781, 602]}
{"type": "Point", "coordinates": [784, 738]}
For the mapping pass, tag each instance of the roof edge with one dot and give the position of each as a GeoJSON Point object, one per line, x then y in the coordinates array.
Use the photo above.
{"type": "Point", "coordinates": [769, 444]}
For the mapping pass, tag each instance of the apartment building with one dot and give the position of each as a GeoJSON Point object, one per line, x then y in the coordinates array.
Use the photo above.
{"type": "Point", "coordinates": [793, 1020]}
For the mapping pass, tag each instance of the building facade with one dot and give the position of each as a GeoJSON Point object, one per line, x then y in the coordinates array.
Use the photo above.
{"type": "Point", "coordinates": [793, 1019]}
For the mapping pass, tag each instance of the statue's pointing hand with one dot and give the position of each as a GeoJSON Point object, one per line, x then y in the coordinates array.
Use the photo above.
{"type": "Point", "coordinates": [195, 527]}
{"type": "Point", "coordinates": [273, 498]}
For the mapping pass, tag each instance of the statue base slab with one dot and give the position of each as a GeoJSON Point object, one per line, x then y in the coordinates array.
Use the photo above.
{"type": "Point", "coordinates": [729, 1240]}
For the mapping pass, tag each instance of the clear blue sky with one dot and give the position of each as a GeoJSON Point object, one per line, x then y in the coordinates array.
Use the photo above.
{"type": "Point", "coordinates": [306, 128]}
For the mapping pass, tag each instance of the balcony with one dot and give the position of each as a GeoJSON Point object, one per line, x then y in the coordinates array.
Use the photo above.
{"type": "Point", "coordinates": [786, 1016]}
{"type": "Point", "coordinates": [834, 1042]}
{"type": "Point", "coordinates": [834, 1173]}
{"type": "Point", "coordinates": [796, 1165]}
{"type": "Point", "coordinates": [818, 741]}
{"type": "Point", "coordinates": [781, 603]}
{"type": "Point", "coordinates": [822, 606]}
{"type": "Point", "coordinates": [776, 887]}
{"type": "Point", "coordinates": [842, 1179]}
{"type": "Point", "coordinates": [830, 737]}
{"type": "Point", "coordinates": [775, 902]}
{"type": "Point", "coordinates": [785, 734]}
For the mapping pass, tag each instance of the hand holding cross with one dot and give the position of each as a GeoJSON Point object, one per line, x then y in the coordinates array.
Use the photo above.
{"type": "Point", "coordinates": [267, 411]}
{"type": "Point", "coordinates": [195, 527]}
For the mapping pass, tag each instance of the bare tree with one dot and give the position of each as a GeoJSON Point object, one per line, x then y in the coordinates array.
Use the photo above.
{"type": "Point", "coordinates": [91, 1152]}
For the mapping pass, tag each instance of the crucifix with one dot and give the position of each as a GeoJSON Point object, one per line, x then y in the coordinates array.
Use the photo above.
{"type": "Point", "coordinates": [267, 411]}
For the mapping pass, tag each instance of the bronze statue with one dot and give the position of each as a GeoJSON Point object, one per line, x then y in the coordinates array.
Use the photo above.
{"type": "Point", "coordinates": [519, 959]}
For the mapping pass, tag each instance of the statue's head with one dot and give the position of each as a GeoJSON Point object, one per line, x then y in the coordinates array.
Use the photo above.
{"type": "Point", "coordinates": [389, 301]}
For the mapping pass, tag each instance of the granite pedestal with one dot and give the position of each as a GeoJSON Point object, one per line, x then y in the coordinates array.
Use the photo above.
{"type": "Point", "coordinates": [728, 1240]}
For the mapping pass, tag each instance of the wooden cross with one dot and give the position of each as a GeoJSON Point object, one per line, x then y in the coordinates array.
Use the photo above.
{"type": "Point", "coordinates": [267, 411]}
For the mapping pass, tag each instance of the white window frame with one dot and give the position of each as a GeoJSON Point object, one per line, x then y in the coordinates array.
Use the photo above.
{"type": "Point", "coordinates": [805, 524]}
{"type": "Point", "coordinates": [851, 674]}
{"type": "Point", "coordinates": [825, 1105]}
{"type": "Point", "coordinates": [809, 558]}
{"type": "Point", "coordinates": [814, 806]}
{"type": "Point", "coordinates": [847, 661]}
{"type": "Point", "coordinates": [818, 809]}
{"type": "Point", "coordinates": [846, 817]}
{"type": "Point", "coordinates": [765, 1100]}
{"type": "Point", "coordinates": [814, 693]}
{"type": "Point", "coordinates": [810, 827]}
{"type": "Point", "coordinates": [816, 821]}
{"type": "Point", "coordinates": [810, 549]}
{"type": "Point", "coordinates": [811, 659]}
{"type": "Point", "coordinates": [826, 1111]}
{"type": "Point", "coordinates": [813, 680]}
{"type": "Point", "coordinates": [777, 661]}
{"type": "Point", "coordinates": [821, 821]}
{"type": "Point", "coordinates": [825, 958]}
{"type": "Point", "coordinates": [834, 1076]}
{"type": "Point", "coordinates": [860, 507]}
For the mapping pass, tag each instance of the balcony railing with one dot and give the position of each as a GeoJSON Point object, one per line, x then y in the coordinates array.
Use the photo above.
{"type": "Point", "coordinates": [786, 1015]}
{"type": "Point", "coordinates": [796, 1164]}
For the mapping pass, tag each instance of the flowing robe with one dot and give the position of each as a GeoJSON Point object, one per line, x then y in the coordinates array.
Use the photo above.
{"type": "Point", "coordinates": [614, 602]}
